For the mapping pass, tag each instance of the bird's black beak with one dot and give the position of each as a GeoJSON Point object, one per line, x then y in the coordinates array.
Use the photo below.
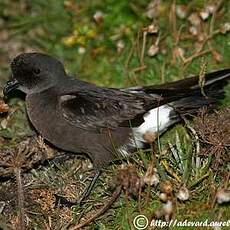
{"type": "Point", "coordinates": [9, 86]}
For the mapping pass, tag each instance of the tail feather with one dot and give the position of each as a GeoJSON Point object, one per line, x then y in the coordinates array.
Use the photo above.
{"type": "Point", "coordinates": [190, 83]}
{"type": "Point", "coordinates": [183, 97]}
{"type": "Point", "coordinates": [186, 95]}
{"type": "Point", "coordinates": [191, 105]}
{"type": "Point", "coordinates": [213, 92]}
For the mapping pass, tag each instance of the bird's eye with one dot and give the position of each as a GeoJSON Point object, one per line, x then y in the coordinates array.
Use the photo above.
{"type": "Point", "coordinates": [36, 71]}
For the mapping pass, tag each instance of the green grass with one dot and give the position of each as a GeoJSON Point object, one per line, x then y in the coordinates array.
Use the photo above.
{"type": "Point", "coordinates": [62, 28]}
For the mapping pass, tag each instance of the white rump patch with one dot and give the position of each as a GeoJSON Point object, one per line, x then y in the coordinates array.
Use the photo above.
{"type": "Point", "coordinates": [155, 120]}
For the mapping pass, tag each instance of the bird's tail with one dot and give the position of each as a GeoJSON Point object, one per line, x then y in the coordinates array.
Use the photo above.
{"type": "Point", "coordinates": [200, 96]}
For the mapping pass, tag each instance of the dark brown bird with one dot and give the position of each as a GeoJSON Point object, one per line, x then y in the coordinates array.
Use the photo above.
{"type": "Point", "coordinates": [104, 123]}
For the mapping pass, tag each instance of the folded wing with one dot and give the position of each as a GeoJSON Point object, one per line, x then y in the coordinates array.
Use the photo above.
{"type": "Point", "coordinates": [94, 108]}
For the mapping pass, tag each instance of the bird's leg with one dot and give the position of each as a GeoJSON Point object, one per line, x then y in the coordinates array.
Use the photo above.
{"type": "Point", "coordinates": [86, 193]}
{"type": "Point", "coordinates": [62, 157]}
{"type": "Point", "coordinates": [90, 186]}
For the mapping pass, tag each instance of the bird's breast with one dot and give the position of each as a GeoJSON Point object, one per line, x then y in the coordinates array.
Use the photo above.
{"type": "Point", "coordinates": [46, 118]}
{"type": "Point", "coordinates": [42, 114]}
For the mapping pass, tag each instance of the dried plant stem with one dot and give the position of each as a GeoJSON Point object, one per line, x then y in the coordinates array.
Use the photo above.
{"type": "Point", "coordinates": [170, 171]}
{"type": "Point", "coordinates": [139, 200]}
{"type": "Point", "coordinates": [140, 68]}
{"type": "Point", "coordinates": [202, 77]}
{"type": "Point", "coordinates": [163, 73]}
{"type": "Point", "coordinates": [172, 17]}
{"type": "Point", "coordinates": [143, 48]}
{"type": "Point", "coordinates": [227, 180]}
{"type": "Point", "coordinates": [200, 52]}
{"type": "Point", "coordinates": [130, 55]}
{"type": "Point", "coordinates": [20, 194]}
{"type": "Point", "coordinates": [196, 55]}
{"type": "Point", "coordinates": [127, 208]}
{"type": "Point", "coordinates": [101, 211]}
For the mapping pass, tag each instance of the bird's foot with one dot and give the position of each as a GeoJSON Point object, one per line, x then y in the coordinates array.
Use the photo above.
{"type": "Point", "coordinates": [65, 202]}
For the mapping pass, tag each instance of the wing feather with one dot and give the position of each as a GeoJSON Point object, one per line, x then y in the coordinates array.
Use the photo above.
{"type": "Point", "coordinates": [98, 108]}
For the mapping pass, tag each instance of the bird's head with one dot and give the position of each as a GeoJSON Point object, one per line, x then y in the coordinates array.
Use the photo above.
{"type": "Point", "coordinates": [34, 72]}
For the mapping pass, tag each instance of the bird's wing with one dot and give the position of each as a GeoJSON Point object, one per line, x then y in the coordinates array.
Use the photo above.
{"type": "Point", "coordinates": [92, 108]}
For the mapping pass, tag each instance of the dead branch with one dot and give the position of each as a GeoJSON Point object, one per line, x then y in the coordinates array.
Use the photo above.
{"type": "Point", "coordinates": [101, 211]}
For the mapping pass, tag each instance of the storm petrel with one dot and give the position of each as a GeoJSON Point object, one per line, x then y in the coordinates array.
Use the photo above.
{"type": "Point", "coordinates": [104, 123]}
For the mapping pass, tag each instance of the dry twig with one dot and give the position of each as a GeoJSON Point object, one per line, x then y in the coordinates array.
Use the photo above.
{"type": "Point", "coordinates": [115, 195]}
{"type": "Point", "coordinates": [20, 193]}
